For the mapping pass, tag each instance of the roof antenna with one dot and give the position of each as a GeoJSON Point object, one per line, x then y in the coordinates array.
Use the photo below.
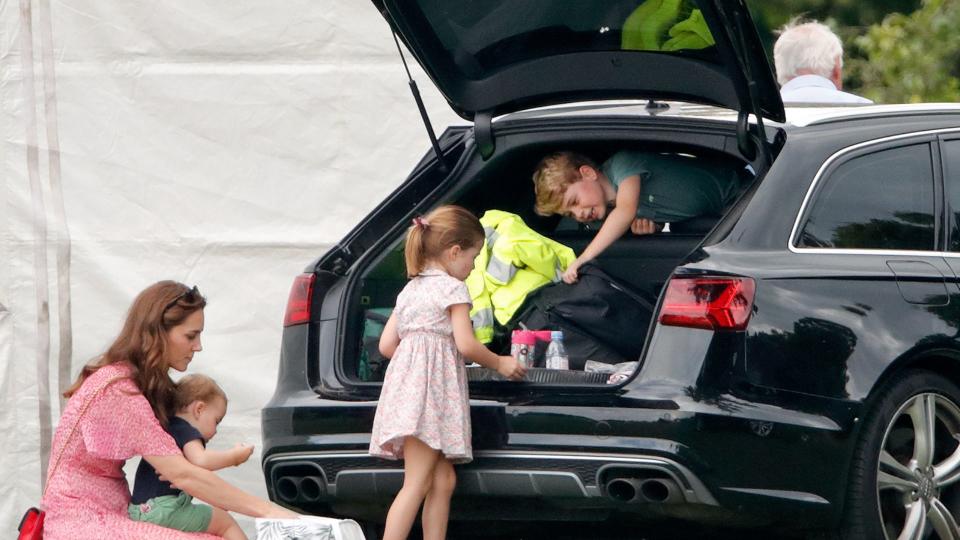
{"type": "Point", "coordinates": [423, 110]}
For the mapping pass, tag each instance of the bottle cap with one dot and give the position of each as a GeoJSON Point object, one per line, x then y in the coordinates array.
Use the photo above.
{"type": "Point", "coordinates": [523, 337]}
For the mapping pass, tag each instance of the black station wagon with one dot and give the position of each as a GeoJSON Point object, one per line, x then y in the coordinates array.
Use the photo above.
{"type": "Point", "coordinates": [801, 368]}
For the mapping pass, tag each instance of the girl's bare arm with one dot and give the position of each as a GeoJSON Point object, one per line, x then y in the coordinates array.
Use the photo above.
{"type": "Point", "coordinates": [469, 346]}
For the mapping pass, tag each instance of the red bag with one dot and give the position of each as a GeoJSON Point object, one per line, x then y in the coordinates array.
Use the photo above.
{"type": "Point", "coordinates": [31, 526]}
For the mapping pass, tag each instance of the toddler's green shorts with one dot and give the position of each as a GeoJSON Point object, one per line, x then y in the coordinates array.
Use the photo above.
{"type": "Point", "coordinates": [174, 512]}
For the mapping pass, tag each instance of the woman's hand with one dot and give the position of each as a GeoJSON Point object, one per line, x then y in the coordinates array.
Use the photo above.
{"type": "Point", "coordinates": [510, 368]}
{"type": "Point", "coordinates": [279, 512]}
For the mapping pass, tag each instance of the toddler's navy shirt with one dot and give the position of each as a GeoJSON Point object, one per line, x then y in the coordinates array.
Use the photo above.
{"type": "Point", "coordinates": [147, 484]}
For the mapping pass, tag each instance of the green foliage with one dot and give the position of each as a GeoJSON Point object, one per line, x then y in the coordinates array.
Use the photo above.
{"type": "Point", "coordinates": [897, 51]}
{"type": "Point", "coordinates": [910, 58]}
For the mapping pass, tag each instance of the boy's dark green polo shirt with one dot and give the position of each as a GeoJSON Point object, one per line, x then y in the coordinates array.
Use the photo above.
{"type": "Point", "coordinates": [673, 187]}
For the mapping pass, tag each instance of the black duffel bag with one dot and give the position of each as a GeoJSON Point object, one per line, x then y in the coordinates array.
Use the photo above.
{"type": "Point", "coordinates": [601, 318]}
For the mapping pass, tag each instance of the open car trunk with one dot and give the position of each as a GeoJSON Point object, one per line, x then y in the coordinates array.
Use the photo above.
{"type": "Point", "coordinates": [641, 264]}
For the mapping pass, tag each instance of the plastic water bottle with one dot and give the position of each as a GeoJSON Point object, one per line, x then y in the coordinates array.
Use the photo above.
{"type": "Point", "coordinates": [556, 353]}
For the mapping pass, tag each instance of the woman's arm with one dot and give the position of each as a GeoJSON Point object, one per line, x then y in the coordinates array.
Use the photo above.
{"type": "Point", "coordinates": [214, 460]}
{"type": "Point", "coordinates": [468, 346]}
{"type": "Point", "coordinates": [617, 223]}
{"type": "Point", "coordinates": [213, 490]}
{"type": "Point", "coordinates": [389, 339]}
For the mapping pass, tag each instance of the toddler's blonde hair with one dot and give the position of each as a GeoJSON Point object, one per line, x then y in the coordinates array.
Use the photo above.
{"type": "Point", "coordinates": [196, 387]}
{"type": "Point", "coordinates": [553, 175]}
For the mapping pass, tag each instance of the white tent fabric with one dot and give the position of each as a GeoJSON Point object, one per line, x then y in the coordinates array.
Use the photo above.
{"type": "Point", "coordinates": [224, 144]}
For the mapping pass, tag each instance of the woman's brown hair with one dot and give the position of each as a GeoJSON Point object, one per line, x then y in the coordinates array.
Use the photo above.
{"type": "Point", "coordinates": [443, 228]}
{"type": "Point", "coordinates": [142, 342]}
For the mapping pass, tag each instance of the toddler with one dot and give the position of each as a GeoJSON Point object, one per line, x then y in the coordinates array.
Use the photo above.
{"type": "Point", "coordinates": [200, 405]}
{"type": "Point", "coordinates": [645, 190]}
{"type": "Point", "coordinates": [423, 415]}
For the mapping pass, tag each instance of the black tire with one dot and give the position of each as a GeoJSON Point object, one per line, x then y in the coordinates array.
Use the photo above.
{"type": "Point", "coordinates": [911, 490]}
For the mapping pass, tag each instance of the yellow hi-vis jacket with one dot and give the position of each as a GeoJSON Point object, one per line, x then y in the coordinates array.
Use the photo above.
{"type": "Point", "coordinates": [514, 260]}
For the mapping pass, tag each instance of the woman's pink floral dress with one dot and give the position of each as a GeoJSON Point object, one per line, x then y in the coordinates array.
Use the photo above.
{"type": "Point", "coordinates": [425, 389]}
{"type": "Point", "coordinates": [87, 494]}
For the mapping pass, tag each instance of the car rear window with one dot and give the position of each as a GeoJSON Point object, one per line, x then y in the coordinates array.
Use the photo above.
{"type": "Point", "coordinates": [880, 200]}
{"type": "Point", "coordinates": [951, 165]}
{"type": "Point", "coordinates": [482, 36]}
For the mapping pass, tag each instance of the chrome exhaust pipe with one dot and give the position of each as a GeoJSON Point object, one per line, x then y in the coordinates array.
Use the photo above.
{"type": "Point", "coordinates": [288, 488]}
{"type": "Point", "coordinates": [644, 490]}
{"type": "Point", "coordinates": [312, 488]}
{"type": "Point", "coordinates": [624, 489]}
{"type": "Point", "coordinates": [659, 490]}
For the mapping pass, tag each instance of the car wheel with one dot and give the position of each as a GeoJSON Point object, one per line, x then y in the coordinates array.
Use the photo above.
{"type": "Point", "coordinates": [904, 479]}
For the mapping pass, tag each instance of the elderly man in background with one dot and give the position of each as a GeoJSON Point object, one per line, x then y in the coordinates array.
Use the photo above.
{"type": "Point", "coordinates": [809, 62]}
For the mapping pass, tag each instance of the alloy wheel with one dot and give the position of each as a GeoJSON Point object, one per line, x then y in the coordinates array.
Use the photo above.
{"type": "Point", "coordinates": [918, 468]}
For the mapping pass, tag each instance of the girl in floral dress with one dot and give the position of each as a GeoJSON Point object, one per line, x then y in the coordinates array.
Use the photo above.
{"type": "Point", "coordinates": [423, 416]}
{"type": "Point", "coordinates": [117, 407]}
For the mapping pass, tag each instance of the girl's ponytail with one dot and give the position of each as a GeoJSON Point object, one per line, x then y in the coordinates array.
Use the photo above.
{"type": "Point", "coordinates": [445, 227]}
{"type": "Point", "coordinates": [413, 250]}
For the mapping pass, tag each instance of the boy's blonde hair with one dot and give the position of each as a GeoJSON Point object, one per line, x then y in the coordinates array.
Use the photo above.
{"type": "Point", "coordinates": [196, 387]}
{"type": "Point", "coordinates": [554, 174]}
{"type": "Point", "coordinates": [445, 227]}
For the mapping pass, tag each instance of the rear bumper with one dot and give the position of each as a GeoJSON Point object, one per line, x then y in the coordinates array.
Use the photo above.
{"type": "Point", "coordinates": [492, 473]}
{"type": "Point", "coordinates": [731, 462]}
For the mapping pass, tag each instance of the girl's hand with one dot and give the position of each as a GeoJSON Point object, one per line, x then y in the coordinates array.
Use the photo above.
{"type": "Point", "coordinates": [510, 368]}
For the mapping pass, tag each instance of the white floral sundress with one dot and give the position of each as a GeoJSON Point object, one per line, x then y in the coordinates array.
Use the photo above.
{"type": "Point", "coordinates": [424, 391]}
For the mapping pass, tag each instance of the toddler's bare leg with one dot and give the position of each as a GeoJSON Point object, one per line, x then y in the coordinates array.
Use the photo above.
{"type": "Point", "coordinates": [223, 524]}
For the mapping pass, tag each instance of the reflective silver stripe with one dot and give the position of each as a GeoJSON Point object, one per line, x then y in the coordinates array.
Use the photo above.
{"type": "Point", "coordinates": [499, 270]}
{"type": "Point", "coordinates": [489, 232]}
{"type": "Point", "coordinates": [492, 238]}
{"type": "Point", "coordinates": [558, 272]}
{"type": "Point", "coordinates": [482, 318]}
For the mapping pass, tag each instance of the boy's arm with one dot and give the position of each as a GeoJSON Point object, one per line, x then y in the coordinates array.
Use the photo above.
{"type": "Point", "coordinates": [617, 223]}
{"type": "Point", "coordinates": [214, 460]}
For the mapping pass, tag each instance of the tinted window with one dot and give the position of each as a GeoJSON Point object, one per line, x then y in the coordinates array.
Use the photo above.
{"type": "Point", "coordinates": [482, 36]}
{"type": "Point", "coordinates": [882, 200]}
{"type": "Point", "coordinates": [951, 161]}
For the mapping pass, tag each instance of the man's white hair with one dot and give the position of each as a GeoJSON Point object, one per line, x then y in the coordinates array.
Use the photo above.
{"type": "Point", "coordinates": [810, 47]}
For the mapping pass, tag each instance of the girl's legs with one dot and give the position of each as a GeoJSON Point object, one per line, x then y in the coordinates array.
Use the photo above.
{"type": "Point", "coordinates": [436, 507]}
{"type": "Point", "coordinates": [223, 524]}
{"type": "Point", "coordinates": [419, 461]}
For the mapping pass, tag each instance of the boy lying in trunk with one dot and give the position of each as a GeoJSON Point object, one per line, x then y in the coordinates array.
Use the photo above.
{"type": "Point", "coordinates": [644, 190]}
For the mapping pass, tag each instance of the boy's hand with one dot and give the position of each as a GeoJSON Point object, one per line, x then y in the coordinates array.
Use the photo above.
{"type": "Point", "coordinates": [510, 368]}
{"type": "Point", "coordinates": [242, 451]}
{"type": "Point", "coordinates": [643, 226]}
{"type": "Point", "coordinates": [570, 274]}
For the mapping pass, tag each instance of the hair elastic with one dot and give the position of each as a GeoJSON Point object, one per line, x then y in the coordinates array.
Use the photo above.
{"type": "Point", "coordinates": [420, 222]}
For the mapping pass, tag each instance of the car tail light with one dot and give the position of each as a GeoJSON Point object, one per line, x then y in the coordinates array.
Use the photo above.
{"type": "Point", "coordinates": [298, 304]}
{"type": "Point", "coordinates": [710, 302]}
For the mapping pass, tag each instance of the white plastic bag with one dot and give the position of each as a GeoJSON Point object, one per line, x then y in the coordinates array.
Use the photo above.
{"type": "Point", "coordinates": [308, 528]}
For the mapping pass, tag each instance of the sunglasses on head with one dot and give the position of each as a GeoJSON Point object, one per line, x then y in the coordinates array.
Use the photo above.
{"type": "Point", "coordinates": [193, 293]}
